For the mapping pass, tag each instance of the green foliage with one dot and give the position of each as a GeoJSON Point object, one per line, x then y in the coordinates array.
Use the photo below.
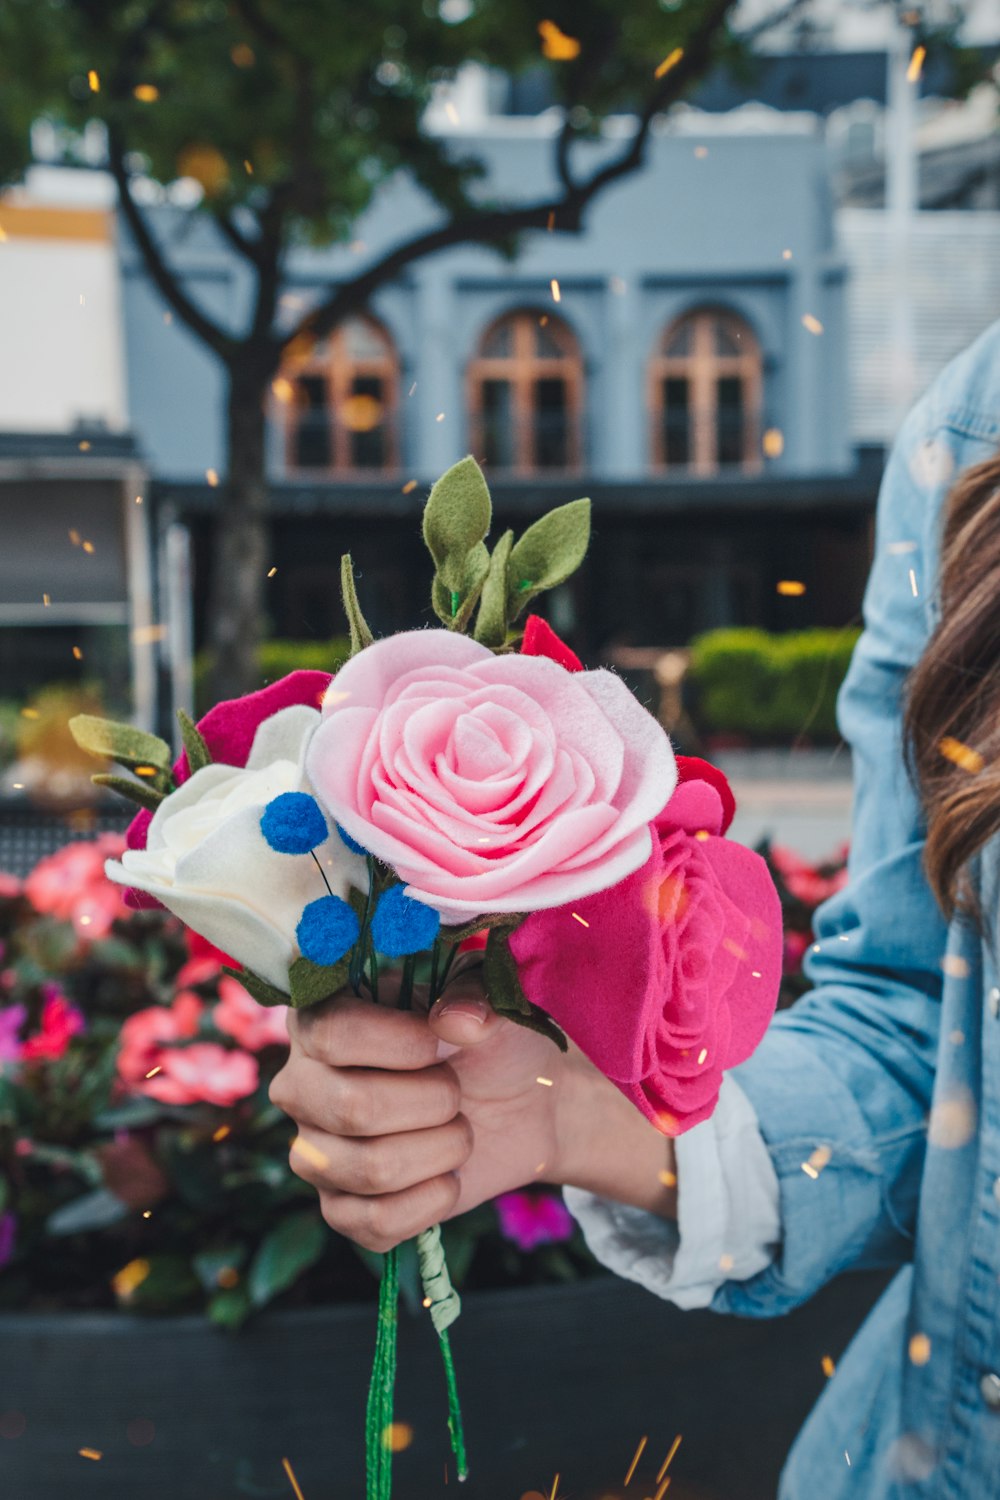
{"type": "Point", "coordinates": [310, 983]}
{"type": "Point", "coordinates": [133, 791]}
{"type": "Point", "coordinates": [198, 754]}
{"type": "Point", "coordinates": [550, 550]}
{"type": "Point", "coordinates": [770, 687]}
{"type": "Point", "coordinates": [290, 1248]}
{"type": "Point", "coordinates": [503, 986]}
{"type": "Point", "coordinates": [275, 659]}
{"type": "Point", "coordinates": [146, 754]}
{"type": "Point", "coordinates": [263, 992]}
{"type": "Point", "coordinates": [491, 623]}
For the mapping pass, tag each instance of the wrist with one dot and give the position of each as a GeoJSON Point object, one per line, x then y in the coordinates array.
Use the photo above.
{"type": "Point", "coordinates": [605, 1146]}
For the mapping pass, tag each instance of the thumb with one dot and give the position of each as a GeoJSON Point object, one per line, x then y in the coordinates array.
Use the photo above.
{"type": "Point", "coordinates": [463, 1018]}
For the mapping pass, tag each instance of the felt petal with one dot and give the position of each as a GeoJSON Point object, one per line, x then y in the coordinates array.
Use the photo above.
{"type": "Point", "coordinates": [228, 729]}
{"type": "Point", "coordinates": [540, 639]}
{"type": "Point", "coordinates": [284, 736]}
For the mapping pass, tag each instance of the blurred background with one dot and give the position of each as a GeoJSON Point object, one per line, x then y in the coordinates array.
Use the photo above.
{"type": "Point", "coordinates": [265, 272]}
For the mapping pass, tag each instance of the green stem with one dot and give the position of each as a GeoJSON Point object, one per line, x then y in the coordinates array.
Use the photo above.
{"type": "Point", "coordinates": [452, 952]}
{"type": "Point", "coordinates": [455, 1427]}
{"type": "Point", "coordinates": [378, 1417]}
{"type": "Point", "coordinates": [435, 961]}
{"type": "Point", "coordinates": [373, 974]}
{"type": "Point", "coordinates": [406, 988]}
{"type": "Point", "coordinates": [361, 946]}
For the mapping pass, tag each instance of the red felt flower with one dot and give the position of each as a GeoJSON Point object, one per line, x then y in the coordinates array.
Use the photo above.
{"type": "Point", "coordinates": [540, 639]}
{"type": "Point", "coordinates": [671, 976]}
{"type": "Point", "coordinates": [228, 730]}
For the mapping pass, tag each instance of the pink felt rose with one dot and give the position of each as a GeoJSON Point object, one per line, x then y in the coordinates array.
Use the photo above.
{"type": "Point", "coordinates": [671, 977]}
{"type": "Point", "coordinates": [489, 783]}
{"type": "Point", "coordinates": [228, 730]}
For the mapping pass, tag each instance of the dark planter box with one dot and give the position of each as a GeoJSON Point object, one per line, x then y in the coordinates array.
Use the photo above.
{"type": "Point", "coordinates": [553, 1379]}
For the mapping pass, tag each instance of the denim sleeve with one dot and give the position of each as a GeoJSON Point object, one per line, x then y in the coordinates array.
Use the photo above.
{"type": "Point", "coordinates": [841, 1084]}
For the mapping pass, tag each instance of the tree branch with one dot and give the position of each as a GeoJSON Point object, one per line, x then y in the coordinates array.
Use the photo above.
{"type": "Point", "coordinates": [160, 274]}
{"type": "Point", "coordinates": [231, 231]}
{"type": "Point", "coordinates": [565, 211]}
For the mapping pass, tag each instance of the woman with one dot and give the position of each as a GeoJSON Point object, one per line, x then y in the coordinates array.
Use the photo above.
{"type": "Point", "coordinates": [883, 1082]}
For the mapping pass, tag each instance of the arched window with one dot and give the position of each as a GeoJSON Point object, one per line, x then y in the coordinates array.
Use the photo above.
{"type": "Point", "coordinates": [705, 394]}
{"type": "Point", "coordinates": [340, 399]}
{"type": "Point", "coordinates": [526, 394]}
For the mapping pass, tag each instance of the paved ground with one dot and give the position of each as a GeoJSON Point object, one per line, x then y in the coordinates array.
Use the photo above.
{"type": "Point", "coordinates": [802, 799]}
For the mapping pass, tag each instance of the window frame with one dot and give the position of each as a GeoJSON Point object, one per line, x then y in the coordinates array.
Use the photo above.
{"type": "Point", "coordinates": [522, 369]}
{"type": "Point", "coordinates": [340, 370]}
{"type": "Point", "coordinates": [703, 368]}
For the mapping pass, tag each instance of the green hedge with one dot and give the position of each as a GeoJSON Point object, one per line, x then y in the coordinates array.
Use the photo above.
{"type": "Point", "coordinates": [770, 687]}
{"type": "Point", "coordinates": [276, 659]}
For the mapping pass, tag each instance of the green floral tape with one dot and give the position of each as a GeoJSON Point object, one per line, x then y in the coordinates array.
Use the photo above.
{"type": "Point", "coordinates": [445, 1303]}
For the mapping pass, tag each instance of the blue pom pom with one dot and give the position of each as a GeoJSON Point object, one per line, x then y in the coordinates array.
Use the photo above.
{"type": "Point", "coordinates": [401, 925]}
{"type": "Point", "coordinates": [327, 929]}
{"type": "Point", "coordinates": [293, 823]}
{"type": "Point", "coordinates": [352, 844]}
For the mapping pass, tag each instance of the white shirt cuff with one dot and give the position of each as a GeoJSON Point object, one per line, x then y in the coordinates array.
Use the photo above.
{"type": "Point", "coordinates": [728, 1218]}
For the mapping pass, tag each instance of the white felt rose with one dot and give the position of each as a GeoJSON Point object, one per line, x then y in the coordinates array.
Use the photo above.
{"type": "Point", "coordinates": [207, 861]}
{"type": "Point", "coordinates": [489, 783]}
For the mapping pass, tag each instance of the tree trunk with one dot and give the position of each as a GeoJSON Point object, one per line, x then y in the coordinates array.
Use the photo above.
{"type": "Point", "coordinates": [240, 543]}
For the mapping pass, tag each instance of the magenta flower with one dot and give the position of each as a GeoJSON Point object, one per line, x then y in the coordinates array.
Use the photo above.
{"type": "Point", "coordinates": [12, 1018]}
{"type": "Point", "coordinates": [8, 1234]}
{"type": "Point", "coordinates": [532, 1219]}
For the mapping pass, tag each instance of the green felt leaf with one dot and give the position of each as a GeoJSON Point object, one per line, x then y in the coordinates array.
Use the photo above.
{"type": "Point", "coordinates": [537, 1020]}
{"type": "Point", "coordinates": [312, 983]}
{"type": "Point", "coordinates": [261, 990]}
{"type": "Point", "coordinates": [135, 791]}
{"type": "Point", "coordinates": [454, 606]}
{"type": "Point", "coordinates": [198, 753]}
{"type": "Point", "coordinates": [123, 743]}
{"type": "Point", "coordinates": [548, 552]}
{"type": "Point", "coordinates": [287, 1250]}
{"type": "Point", "coordinates": [361, 635]}
{"type": "Point", "coordinates": [491, 622]}
{"type": "Point", "coordinates": [456, 520]}
{"type": "Point", "coordinates": [500, 976]}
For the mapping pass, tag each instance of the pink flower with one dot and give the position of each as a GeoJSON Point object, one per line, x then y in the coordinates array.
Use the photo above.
{"type": "Point", "coordinates": [12, 1018]}
{"type": "Point", "coordinates": [489, 783]}
{"type": "Point", "coordinates": [70, 885]}
{"type": "Point", "coordinates": [806, 882]}
{"type": "Point", "coordinates": [253, 1026]}
{"type": "Point", "coordinates": [61, 1021]}
{"type": "Point", "coordinates": [671, 977]}
{"type": "Point", "coordinates": [203, 1073]}
{"type": "Point", "coordinates": [228, 730]}
{"type": "Point", "coordinates": [146, 1034]}
{"type": "Point", "coordinates": [204, 961]}
{"type": "Point", "coordinates": [796, 944]}
{"type": "Point", "coordinates": [10, 887]}
{"type": "Point", "coordinates": [531, 1219]}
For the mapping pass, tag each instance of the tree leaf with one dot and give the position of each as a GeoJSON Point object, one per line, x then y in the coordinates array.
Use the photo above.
{"type": "Point", "coordinates": [548, 552]}
{"type": "Point", "coordinates": [261, 990]}
{"type": "Point", "coordinates": [491, 623]}
{"type": "Point", "coordinates": [500, 976]}
{"type": "Point", "coordinates": [123, 743]}
{"type": "Point", "coordinates": [312, 983]}
{"type": "Point", "coordinates": [97, 1210]}
{"type": "Point", "coordinates": [361, 635]}
{"type": "Point", "coordinates": [456, 519]}
{"type": "Point", "coordinates": [198, 753]}
{"type": "Point", "coordinates": [283, 1254]}
{"type": "Point", "coordinates": [136, 791]}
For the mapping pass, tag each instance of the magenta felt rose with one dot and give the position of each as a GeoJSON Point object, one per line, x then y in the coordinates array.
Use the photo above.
{"type": "Point", "coordinates": [671, 977]}
{"type": "Point", "coordinates": [489, 783]}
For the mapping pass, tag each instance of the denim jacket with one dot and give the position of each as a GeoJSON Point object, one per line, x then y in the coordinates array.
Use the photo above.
{"type": "Point", "coordinates": [890, 1066]}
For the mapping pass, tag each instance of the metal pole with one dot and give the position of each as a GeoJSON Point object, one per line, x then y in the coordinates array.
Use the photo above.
{"type": "Point", "coordinates": [901, 201]}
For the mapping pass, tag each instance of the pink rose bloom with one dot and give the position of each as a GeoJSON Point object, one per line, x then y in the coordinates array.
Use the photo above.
{"type": "Point", "coordinates": [671, 977]}
{"type": "Point", "coordinates": [70, 885]}
{"type": "Point", "coordinates": [61, 1021]}
{"type": "Point", "coordinates": [146, 1034]}
{"type": "Point", "coordinates": [531, 1219]}
{"type": "Point", "coordinates": [489, 783]}
{"type": "Point", "coordinates": [228, 730]}
{"type": "Point", "coordinates": [253, 1026]}
{"type": "Point", "coordinates": [203, 1073]}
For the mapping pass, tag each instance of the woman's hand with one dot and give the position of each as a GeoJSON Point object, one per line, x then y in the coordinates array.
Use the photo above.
{"type": "Point", "coordinates": [406, 1119]}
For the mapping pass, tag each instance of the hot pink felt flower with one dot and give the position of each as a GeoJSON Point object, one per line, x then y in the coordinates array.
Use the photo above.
{"type": "Point", "coordinates": [489, 783]}
{"type": "Point", "coordinates": [671, 977]}
{"type": "Point", "coordinates": [228, 730]}
{"type": "Point", "coordinates": [532, 1219]}
{"type": "Point", "coordinates": [253, 1026]}
{"type": "Point", "coordinates": [61, 1022]}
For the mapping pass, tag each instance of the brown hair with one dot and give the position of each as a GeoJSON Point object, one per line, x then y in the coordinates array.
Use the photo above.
{"type": "Point", "coordinates": [952, 719]}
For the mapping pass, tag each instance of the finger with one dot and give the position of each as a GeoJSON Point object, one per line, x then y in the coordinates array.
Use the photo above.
{"type": "Point", "coordinates": [380, 1164]}
{"type": "Point", "coordinates": [380, 1223]}
{"type": "Point", "coordinates": [349, 1032]}
{"type": "Point", "coordinates": [463, 1017]}
{"type": "Point", "coordinates": [365, 1101]}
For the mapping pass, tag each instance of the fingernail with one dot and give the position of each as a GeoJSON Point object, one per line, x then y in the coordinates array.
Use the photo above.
{"type": "Point", "coordinates": [446, 1049]}
{"type": "Point", "coordinates": [472, 1010]}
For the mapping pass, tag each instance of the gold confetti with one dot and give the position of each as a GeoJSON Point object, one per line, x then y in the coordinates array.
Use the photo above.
{"type": "Point", "coordinates": [556, 45]}
{"type": "Point", "coordinates": [913, 583]}
{"type": "Point", "coordinates": [409, 486]}
{"type": "Point", "coordinates": [84, 447]}
{"type": "Point", "coordinates": [701, 152]}
{"type": "Point", "coordinates": [811, 323]}
{"type": "Point", "coordinates": [94, 80]}
{"type": "Point", "coordinates": [957, 967]}
{"type": "Point", "coordinates": [145, 770]}
{"type": "Point", "coordinates": [148, 635]}
{"type": "Point", "coordinates": [703, 835]}
{"type": "Point", "coordinates": [46, 600]}
{"type": "Point", "coordinates": [916, 64]}
{"type": "Point", "coordinates": [662, 1489]}
{"type": "Point", "coordinates": [827, 1366]}
{"type": "Point", "coordinates": [292, 1479]}
{"type": "Point", "coordinates": [810, 1170]}
{"type": "Point", "coordinates": [755, 974]}
{"type": "Point", "coordinates": [125, 1281]}
{"type": "Point", "coordinates": [543, 320]}
{"type": "Point", "coordinates": [77, 653]}
{"type": "Point", "coordinates": [961, 755]}
{"type": "Point", "coordinates": [138, 499]}
{"type": "Point", "coordinates": [147, 1213]}
{"type": "Point", "coordinates": [88, 547]}
{"type": "Point", "coordinates": [426, 1302]}
{"type": "Point", "coordinates": [94, 1453]}
{"type": "Point", "coordinates": [439, 417]}
{"type": "Point", "coordinates": [669, 1179]}
{"type": "Point", "coordinates": [670, 61]}
{"type": "Point", "coordinates": [546, 1081]}
{"type": "Point", "coordinates": [451, 112]}
{"type": "Point", "coordinates": [242, 55]}
{"type": "Point", "coordinates": [819, 1159]}
{"type": "Point", "coordinates": [726, 1263]}
{"type": "Point", "coordinates": [702, 1055]}
{"type": "Point", "coordinates": [556, 293]}
{"type": "Point", "coordinates": [956, 1038]}
{"type": "Point", "coordinates": [248, 167]}
{"type": "Point", "coordinates": [898, 548]}
{"type": "Point", "coordinates": [311, 1153]}
{"type": "Point", "coordinates": [3, 235]}
{"type": "Point", "coordinates": [271, 572]}
{"type": "Point", "coordinates": [791, 588]}
{"type": "Point", "coordinates": [786, 255]}
{"type": "Point", "coordinates": [153, 1071]}
{"type": "Point", "coordinates": [577, 918]}
{"type": "Point", "coordinates": [669, 1458]}
{"type": "Point", "coordinates": [733, 948]}
{"type": "Point", "coordinates": [282, 388]}
{"type": "Point", "coordinates": [920, 1349]}
{"type": "Point", "coordinates": [221, 1133]}
{"type": "Point", "coordinates": [397, 1436]}
{"type": "Point", "coordinates": [74, 536]}
{"type": "Point", "coordinates": [146, 93]}
{"type": "Point", "coordinates": [773, 442]}
{"type": "Point", "coordinates": [361, 413]}
{"type": "Point", "coordinates": [212, 476]}
{"type": "Point", "coordinates": [635, 1459]}
{"type": "Point", "coordinates": [29, 713]}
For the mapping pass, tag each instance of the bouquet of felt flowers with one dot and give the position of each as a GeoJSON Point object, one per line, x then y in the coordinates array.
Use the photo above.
{"type": "Point", "coordinates": [468, 783]}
